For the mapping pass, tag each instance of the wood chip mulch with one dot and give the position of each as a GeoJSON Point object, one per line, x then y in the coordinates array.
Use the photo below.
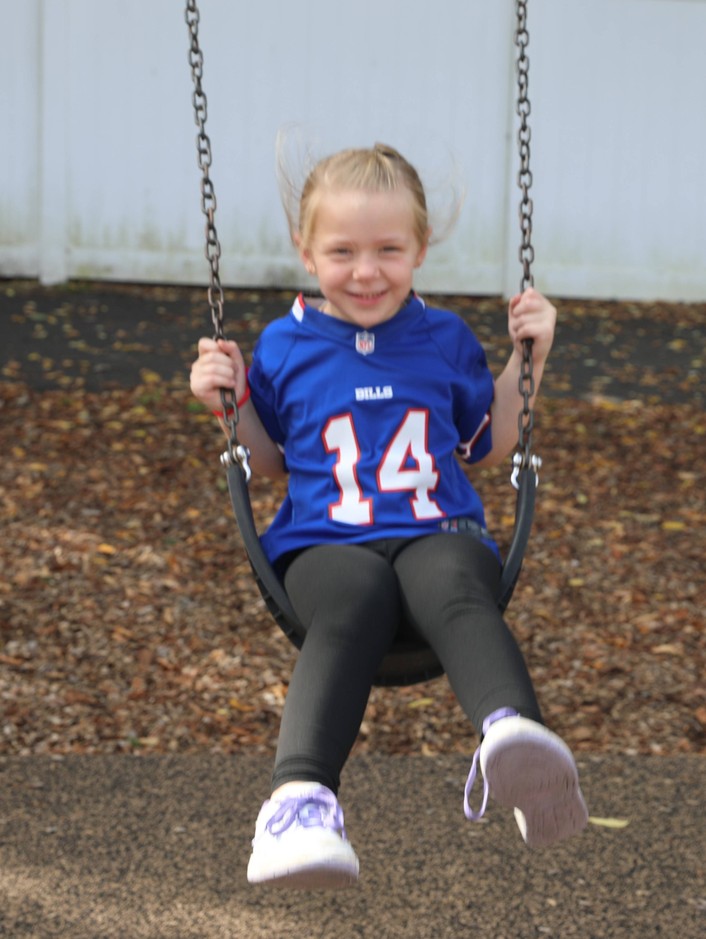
{"type": "Point", "coordinates": [129, 621]}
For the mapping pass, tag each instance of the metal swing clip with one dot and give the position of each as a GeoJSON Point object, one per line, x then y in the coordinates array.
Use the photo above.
{"type": "Point", "coordinates": [518, 462]}
{"type": "Point", "coordinates": [237, 454]}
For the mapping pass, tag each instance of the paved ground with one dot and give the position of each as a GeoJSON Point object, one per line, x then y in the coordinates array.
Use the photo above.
{"type": "Point", "coordinates": [156, 847]}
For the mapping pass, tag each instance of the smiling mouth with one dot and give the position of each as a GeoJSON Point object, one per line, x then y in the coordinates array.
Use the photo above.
{"type": "Point", "coordinates": [368, 297]}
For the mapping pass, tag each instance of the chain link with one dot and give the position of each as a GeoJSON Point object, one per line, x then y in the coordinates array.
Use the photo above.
{"type": "Point", "coordinates": [524, 137]}
{"type": "Point", "coordinates": [525, 420]}
{"type": "Point", "coordinates": [236, 452]}
{"type": "Point", "coordinates": [205, 159]}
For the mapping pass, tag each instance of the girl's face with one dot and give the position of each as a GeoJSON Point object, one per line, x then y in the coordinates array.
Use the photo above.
{"type": "Point", "coordinates": [364, 250]}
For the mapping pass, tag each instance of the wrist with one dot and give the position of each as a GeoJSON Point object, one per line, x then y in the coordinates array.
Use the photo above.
{"type": "Point", "coordinates": [240, 403]}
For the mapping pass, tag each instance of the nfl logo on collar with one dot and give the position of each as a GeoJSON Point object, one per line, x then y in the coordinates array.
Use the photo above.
{"type": "Point", "coordinates": [365, 343]}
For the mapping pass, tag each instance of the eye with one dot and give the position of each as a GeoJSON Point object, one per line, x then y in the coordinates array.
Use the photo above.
{"type": "Point", "coordinates": [391, 249]}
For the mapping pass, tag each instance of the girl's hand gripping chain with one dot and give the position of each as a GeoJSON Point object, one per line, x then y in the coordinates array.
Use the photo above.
{"type": "Point", "coordinates": [219, 365]}
{"type": "Point", "coordinates": [532, 316]}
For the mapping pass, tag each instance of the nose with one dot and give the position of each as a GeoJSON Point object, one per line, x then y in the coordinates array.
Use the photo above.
{"type": "Point", "coordinates": [366, 267]}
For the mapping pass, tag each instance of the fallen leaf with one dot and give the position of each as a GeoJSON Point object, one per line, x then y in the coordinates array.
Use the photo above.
{"type": "Point", "coordinates": [420, 703]}
{"type": "Point", "coordinates": [609, 822]}
{"type": "Point", "coordinates": [11, 660]}
{"type": "Point", "coordinates": [669, 648]}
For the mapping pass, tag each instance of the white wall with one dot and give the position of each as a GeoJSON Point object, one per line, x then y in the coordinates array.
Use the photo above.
{"type": "Point", "coordinates": [98, 174]}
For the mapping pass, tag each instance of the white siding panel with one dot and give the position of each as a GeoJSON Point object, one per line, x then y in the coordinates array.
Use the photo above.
{"type": "Point", "coordinates": [130, 145]}
{"type": "Point", "coordinates": [619, 89]}
{"type": "Point", "coordinates": [98, 174]}
{"type": "Point", "coordinates": [54, 157]}
{"type": "Point", "coordinates": [19, 146]}
{"type": "Point", "coordinates": [433, 85]}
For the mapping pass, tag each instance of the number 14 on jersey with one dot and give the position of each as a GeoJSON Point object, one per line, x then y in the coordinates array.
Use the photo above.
{"type": "Point", "coordinates": [406, 466]}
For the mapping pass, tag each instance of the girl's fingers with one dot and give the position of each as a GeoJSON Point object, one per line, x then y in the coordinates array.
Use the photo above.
{"type": "Point", "coordinates": [207, 345]}
{"type": "Point", "coordinates": [219, 365]}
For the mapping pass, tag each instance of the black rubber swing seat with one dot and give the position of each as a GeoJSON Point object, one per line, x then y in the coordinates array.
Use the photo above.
{"type": "Point", "coordinates": [408, 662]}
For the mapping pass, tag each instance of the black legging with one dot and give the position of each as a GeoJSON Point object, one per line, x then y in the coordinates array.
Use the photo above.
{"type": "Point", "coordinates": [350, 598]}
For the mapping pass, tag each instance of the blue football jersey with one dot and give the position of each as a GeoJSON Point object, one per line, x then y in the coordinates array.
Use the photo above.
{"type": "Point", "coordinates": [372, 423]}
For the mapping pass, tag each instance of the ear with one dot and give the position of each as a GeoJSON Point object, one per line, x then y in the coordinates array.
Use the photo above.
{"type": "Point", "coordinates": [423, 250]}
{"type": "Point", "coordinates": [304, 254]}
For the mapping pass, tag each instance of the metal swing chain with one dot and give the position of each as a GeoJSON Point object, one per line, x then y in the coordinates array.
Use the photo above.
{"type": "Point", "coordinates": [236, 451]}
{"type": "Point", "coordinates": [525, 422]}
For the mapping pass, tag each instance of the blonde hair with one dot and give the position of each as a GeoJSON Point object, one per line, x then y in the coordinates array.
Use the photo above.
{"type": "Point", "coordinates": [380, 168]}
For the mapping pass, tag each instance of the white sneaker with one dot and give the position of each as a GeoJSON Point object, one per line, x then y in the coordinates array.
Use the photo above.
{"type": "Point", "coordinates": [300, 842]}
{"type": "Point", "coordinates": [530, 769]}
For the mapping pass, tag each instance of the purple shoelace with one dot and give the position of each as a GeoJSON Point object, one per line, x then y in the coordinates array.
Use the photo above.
{"type": "Point", "coordinates": [472, 814]}
{"type": "Point", "coordinates": [315, 810]}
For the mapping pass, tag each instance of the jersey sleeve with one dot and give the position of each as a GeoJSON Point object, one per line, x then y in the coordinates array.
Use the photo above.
{"type": "Point", "coordinates": [263, 385]}
{"type": "Point", "coordinates": [473, 393]}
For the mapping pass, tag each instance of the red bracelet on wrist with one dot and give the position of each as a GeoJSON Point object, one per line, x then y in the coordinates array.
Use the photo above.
{"type": "Point", "coordinates": [246, 396]}
{"type": "Point", "coordinates": [239, 404]}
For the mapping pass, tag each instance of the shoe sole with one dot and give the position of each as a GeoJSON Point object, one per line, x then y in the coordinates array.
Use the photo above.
{"type": "Point", "coordinates": [307, 878]}
{"type": "Point", "coordinates": [531, 770]}
{"type": "Point", "coordinates": [320, 865]}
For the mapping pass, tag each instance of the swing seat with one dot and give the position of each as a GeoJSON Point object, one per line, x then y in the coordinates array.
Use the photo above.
{"type": "Point", "coordinates": [408, 662]}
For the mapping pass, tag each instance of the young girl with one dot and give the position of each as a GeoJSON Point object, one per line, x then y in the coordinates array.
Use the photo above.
{"type": "Point", "coordinates": [367, 398]}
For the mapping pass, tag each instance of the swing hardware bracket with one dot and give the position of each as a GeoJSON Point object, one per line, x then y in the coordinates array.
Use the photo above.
{"type": "Point", "coordinates": [238, 455]}
{"type": "Point", "coordinates": [518, 463]}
